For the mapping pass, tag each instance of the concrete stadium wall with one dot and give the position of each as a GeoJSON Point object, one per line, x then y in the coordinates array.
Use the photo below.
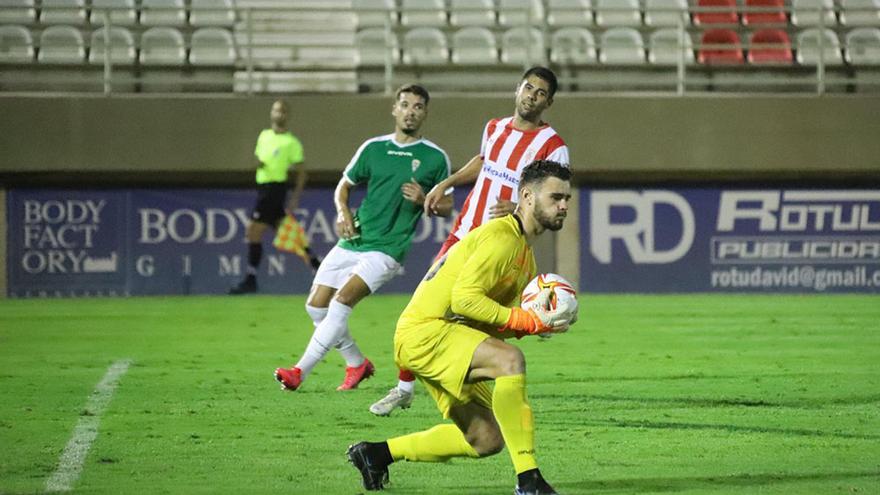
{"type": "Point", "coordinates": [95, 140]}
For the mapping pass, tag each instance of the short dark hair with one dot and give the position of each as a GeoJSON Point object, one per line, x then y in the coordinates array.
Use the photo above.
{"type": "Point", "coordinates": [414, 89]}
{"type": "Point", "coordinates": [539, 170]}
{"type": "Point", "coordinates": [545, 74]}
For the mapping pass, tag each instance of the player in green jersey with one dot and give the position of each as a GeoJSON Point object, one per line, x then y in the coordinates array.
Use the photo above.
{"type": "Point", "coordinates": [276, 152]}
{"type": "Point", "coordinates": [398, 169]}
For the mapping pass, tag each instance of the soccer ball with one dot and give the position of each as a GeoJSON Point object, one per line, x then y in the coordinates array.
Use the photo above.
{"type": "Point", "coordinates": [563, 296]}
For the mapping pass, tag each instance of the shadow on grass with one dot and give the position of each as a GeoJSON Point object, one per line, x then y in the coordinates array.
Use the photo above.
{"type": "Point", "coordinates": [646, 485]}
{"type": "Point", "coordinates": [708, 403]}
{"type": "Point", "coordinates": [640, 485]}
{"type": "Point", "coordinates": [723, 427]}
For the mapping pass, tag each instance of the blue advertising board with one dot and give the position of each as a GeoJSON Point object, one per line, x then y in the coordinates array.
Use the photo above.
{"type": "Point", "coordinates": [181, 241]}
{"type": "Point", "coordinates": [730, 240]}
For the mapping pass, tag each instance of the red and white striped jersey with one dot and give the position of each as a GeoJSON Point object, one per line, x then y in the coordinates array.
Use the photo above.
{"type": "Point", "coordinates": [505, 152]}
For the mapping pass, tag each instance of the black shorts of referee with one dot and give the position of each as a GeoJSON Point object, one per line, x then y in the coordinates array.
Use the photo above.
{"type": "Point", "coordinates": [271, 199]}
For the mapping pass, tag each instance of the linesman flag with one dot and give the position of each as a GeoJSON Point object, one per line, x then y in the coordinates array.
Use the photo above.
{"type": "Point", "coordinates": [291, 238]}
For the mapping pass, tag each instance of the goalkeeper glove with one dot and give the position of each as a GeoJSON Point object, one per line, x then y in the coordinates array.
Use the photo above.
{"type": "Point", "coordinates": [538, 318]}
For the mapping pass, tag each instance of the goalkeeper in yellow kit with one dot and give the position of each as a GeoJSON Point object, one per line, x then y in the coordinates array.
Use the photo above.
{"type": "Point", "coordinates": [450, 335]}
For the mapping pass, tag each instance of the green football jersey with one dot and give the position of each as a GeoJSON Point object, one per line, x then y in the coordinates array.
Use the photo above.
{"type": "Point", "coordinates": [277, 152]}
{"type": "Point", "coordinates": [387, 220]}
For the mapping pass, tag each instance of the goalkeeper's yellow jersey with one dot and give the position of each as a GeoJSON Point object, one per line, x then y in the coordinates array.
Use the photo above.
{"type": "Point", "coordinates": [477, 280]}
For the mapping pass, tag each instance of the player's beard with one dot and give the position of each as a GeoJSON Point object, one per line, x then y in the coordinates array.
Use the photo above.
{"type": "Point", "coordinates": [549, 222]}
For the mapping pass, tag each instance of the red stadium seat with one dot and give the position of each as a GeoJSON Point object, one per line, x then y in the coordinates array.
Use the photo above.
{"type": "Point", "coordinates": [720, 47]}
{"type": "Point", "coordinates": [765, 16]}
{"type": "Point", "coordinates": [770, 46]}
{"type": "Point", "coordinates": [724, 12]}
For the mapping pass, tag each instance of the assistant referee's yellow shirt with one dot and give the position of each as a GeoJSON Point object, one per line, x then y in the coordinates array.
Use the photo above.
{"type": "Point", "coordinates": [277, 152]}
{"type": "Point", "coordinates": [478, 281]}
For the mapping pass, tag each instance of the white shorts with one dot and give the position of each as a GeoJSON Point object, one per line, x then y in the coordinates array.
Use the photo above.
{"type": "Point", "coordinates": [373, 267]}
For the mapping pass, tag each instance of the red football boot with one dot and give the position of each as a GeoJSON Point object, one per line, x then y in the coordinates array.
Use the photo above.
{"type": "Point", "coordinates": [290, 378]}
{"type": "Point", "coordinates": [355, 375]}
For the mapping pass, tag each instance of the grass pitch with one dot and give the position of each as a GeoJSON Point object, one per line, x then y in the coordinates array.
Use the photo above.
{"type": "Point", "coordinates": [646, 394]}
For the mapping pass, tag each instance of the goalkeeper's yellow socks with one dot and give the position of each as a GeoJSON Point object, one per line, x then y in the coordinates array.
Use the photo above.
{"type": "Point", "coordinates": [438, 444]}
{"type": "Point", "coordinates": [514, 416]}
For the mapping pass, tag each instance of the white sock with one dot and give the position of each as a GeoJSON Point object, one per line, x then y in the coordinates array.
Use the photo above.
{"type": "Point", "coordinates": [406, 387]}
{"type": "Point", "coordinates": [316, 314]}
{"type": "Point", "coordinates": [326, 336]}
{"type": "Point", "coordinates": [350, 351]}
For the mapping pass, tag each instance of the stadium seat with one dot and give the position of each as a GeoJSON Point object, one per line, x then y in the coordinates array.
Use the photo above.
{"type": "Point", "coordinates": [717, 12]}
{"type": "Point", "coordinates": [423, 13]}
{"type": "Point", "coordinates": [425, 46]}
{"type": "Point", "coordinates": [562, 13]}
{"type": "Point", "coordinates": [860, 12]}
{"type": "Point", "coordinates": [720, 47]}
{"type": "Point", "coordinates": [122, 50]}
{"type": "Point", "coordinates": [863, 46]}
{"type": "Point", "coordinates": [122, 12]}
{"type": "Point", "coordinates": [770, 47]}
{"type": "Point", "coordinates": [806, 12]}
{"type": "Point", "coordinates": [163, 13]}
{"type": "Point", "coordinates": [20, 11]}
{"type": "Point", "coordinates": [808, 52]}
{"type": "Point", "coordinates": [212, 46]}
{"type": "Point", "coordinates": [375, 13]}
{"type": "Point", "coordinates": [572, 46]}
{"type": "Point", "coordinates": [522, 45]}
{"type": "Point", "coordinates": [668, 13]}
{"type": "Point", "coordinates": [211, 13]}
{"type": "Point", "coordinates": [764, 13]}
{"type": "Point", "coordinates": [519, 13]}
{"type": "Point", "coordinates": [61, 45]}
{"type": "Point", "coordinates": [618, 13]}
{"type": "Point", "coordinates": [162, 46]}
{"type": "Point", "coordinates": [373, 47]}
{"type": "Point", "coordinates": [621, 46]}
{"type": "Point", "coordinates": [63, 11]}
{"type": "Point", "coordinates": [16, 45]}
{"type": "Point", "coordinates": [663, 47]}
{"type": "Point", "coordinates": [474, 46]}
{"type": "Point", "coordinates": [471, 13]}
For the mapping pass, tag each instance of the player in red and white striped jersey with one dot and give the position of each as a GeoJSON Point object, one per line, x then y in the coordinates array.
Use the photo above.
{"type": "Point", "coordinates": [507, 146]}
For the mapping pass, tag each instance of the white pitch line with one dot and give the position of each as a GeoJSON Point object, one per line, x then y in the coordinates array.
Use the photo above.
{"type": "Point", "coordinates": [70, 463]}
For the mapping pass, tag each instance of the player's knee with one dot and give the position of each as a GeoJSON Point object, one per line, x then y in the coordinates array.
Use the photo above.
{"type": "Point", "coordinates": [486, 442]}
{"type": "Point", "coordinates": [511, 361]}
{"type": "Point", "coordinates": [346, 299]}
{"type": "Point", "coordinates": [316, 314]}
{"type": "Point", "coordinates": [318, 301]}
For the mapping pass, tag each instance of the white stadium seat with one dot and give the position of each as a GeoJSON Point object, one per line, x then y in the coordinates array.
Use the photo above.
{"type": "Point", "coordinates": [425, 46]}
{"type": "Point", "coordinates": [122, 12]}
{"type": "Point", "coordinates": [808, 52]}
{"type": "Point", "coordinates": [664, 49]}
{"type": "Point", "coordinates": [16, 45]}
{"type": "Point", "coordinates": [622, 46]}
{"type": "Point", "coordinates": [573, 45]}
{"type": "Point", "coordinates": [61, 45]}
{"type": "Point", "coordinates": [162, 46]}
{"type": "Point", "coordinates": [474, 45]}
{"type": "Point", "coordinates": [122, 50]}
{"type": "Point", "coordinates": [212, 46]}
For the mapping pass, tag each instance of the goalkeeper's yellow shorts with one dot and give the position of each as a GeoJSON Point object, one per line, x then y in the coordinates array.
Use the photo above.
{"type": "Point", "coordinates": [440, 353]}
